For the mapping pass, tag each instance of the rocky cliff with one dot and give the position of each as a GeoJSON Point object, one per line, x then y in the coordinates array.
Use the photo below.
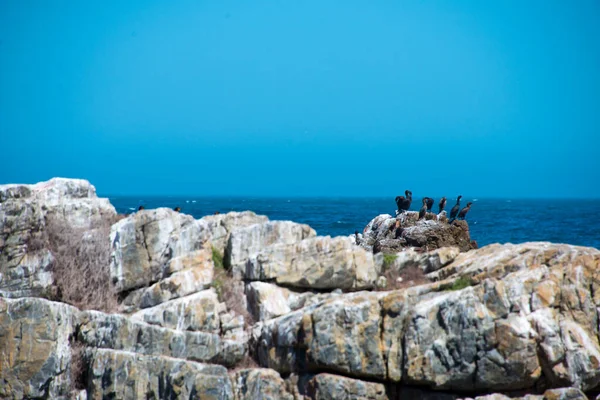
{"type": "Point", "coordinates": [235, 306]}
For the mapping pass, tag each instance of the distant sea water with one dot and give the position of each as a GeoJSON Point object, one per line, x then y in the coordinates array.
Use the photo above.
{"type": "Point", "coordinates": [491, 221]}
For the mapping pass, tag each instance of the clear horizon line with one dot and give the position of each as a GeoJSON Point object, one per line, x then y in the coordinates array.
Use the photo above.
{"type": "Point", "coordinates": [242, 196]}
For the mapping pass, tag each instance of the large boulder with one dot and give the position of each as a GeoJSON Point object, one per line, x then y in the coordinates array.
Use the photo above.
{"type": "Point", "coordinates": [428, 261]}
{"type": "Point", "coordinates": [35, 350]}
{"type": "Point", "coordinates": [220, 226]}
{"type": "Point", "coordinates": [152, 244]}
{"type": "Point", "coordinates": [197, 312]}
{"type": "Point", "coordinates": [183, 276]}
{"type": "Point", "coordinates": [343, 334]}
{"type": "Point", "coordinates": [117, 332]}
{"type": "Point", "coordinates": [246, 242]}
{"type": "Point", "coordinates": [315, 263]}
{"type": "Point", "coordinates": [388, 234]}
{"type": "Point", "coordinates": [267, 301]}
{"type": "Point", "coordinates": [25, 214]}
{"type": "Point", "coordinates": [116, 374]}
{"type": "Point", "coordinates": [259, 383]}
{"type": "Point", "coordinates": [334, 387]}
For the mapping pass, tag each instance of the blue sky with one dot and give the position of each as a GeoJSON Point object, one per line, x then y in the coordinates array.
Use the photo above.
{"type": "Point", "coordinates": [311, 98]}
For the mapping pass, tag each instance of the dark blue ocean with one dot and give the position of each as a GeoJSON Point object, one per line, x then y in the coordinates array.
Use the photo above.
{"type": "Point", "coordinates": [491, 221]}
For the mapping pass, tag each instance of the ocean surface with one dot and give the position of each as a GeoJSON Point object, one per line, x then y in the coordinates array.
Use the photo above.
{"type": "Point", "coordinates": [491, 221]}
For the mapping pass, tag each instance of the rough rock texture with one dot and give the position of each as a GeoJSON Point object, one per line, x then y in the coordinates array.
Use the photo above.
{"type": "Point", "coordinates": [315, 263]}
{"type": "Point", "coordinates": [267, 300]}
{"type": "Point", "coordinates": [246, 242]}
{"type": "Point", "coordinates": [124, 375]}
{"type": "Point", "coordinates": [391, 234]}
{"type": "Point", "coordinates": [259, 384]}
{"type": "Point", "coordinates": [220, 226]}
{"type": "Point", "coordinates": [197, 312]}
{"type": "Point", "coordinates": [531, 320]}
{"type": "Point", "coordinates": [153, 244]}
{"type": "Point", "coordinates": [342, 335]}
{"type": "Point", "coordinates": [429, 261]}
{"type": "Point", "coordinates": [504, 320]}
{"type": "Point", "coordinates": [564, 394]}
{"type": "Point", "coordinates": [25, 261]}
{"type": "Point", "coordinates": [35, 354]}
{"type": "Point", "coordinates": [334, 387]}
{"type": "Point", "coordinates": [197, 277]}
{"type": "Point", "coordinates": [117, 332]}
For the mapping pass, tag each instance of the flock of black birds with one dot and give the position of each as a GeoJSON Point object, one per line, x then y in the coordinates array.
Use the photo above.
{"type": "Point", "coordinates": [404, 202]}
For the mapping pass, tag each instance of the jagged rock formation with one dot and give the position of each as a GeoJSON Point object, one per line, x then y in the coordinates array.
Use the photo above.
{"type": "Point", "coordinates": [25, 260]}
{"type": "Point", "coordinates": [503, 321]}
{"type": "Point", "coordinates": [392, 234]}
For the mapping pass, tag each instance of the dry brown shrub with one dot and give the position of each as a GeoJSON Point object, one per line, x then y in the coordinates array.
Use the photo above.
{"type": "Point", "coordinates": [78, 366]}
{"type": "Point", "coordinates": [81, 266]}
{"type": "Point", "coordinates": [231, 292]}
{"type": "Point", "coordinates": [411, 276]}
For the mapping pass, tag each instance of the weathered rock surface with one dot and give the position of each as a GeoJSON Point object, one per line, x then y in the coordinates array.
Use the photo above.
{"type": "Point", "coordinates": [246, 242]}
{"type": "Point", "coordinates": [113, 331]}
{"type": "Point", "coordinates": [341, 335]}
{"type": "Point", "coordinates": [220, 226]}
{"type": "Point", "coordinates": [35, 353]}
{"type": "Point", "coordinates": [503, 319]}
{"type": "Point", "coordinates": [429, 261]}
{"type": "Point", "coordinates": [125, 375]}
{"type": "Point", "coordinates": [334, 387]}
{"type": "Point", "coordinates": [315, 263]}
{"type": "Point", "coordinates": [391, 234]}
{"type": "Point", "coordinates": [530, 319]}
{"type": "Point", "coordinates": [267, 301]}
{"type": "Point", "coordinates": [259, 383]}
{"type": "Point", "coordinates": [25, 261]}
{"type": "Point", "coordinates": [153, 244]}
{"type": "Point", "coordinates": [564, 394]}
{"type": "Point", "coordinates": [197, 312]}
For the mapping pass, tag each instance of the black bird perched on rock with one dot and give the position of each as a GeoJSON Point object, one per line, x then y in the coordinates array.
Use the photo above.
{"type": "Point", "coordinates": [400, 203]}
{"type": "Point", "coordinates": [408, 194]}
{"type": "Point", "coordinates": [454, 211]}
{"type": "Point", "coordinates": [442, 204]}
{"type": "Point", "coordinates": [464, 211]}
{"type": "Point", "coordinates": [177, 209]}
{"type": "Point", "coordinates": [140, 208]}
{"type": "Point", "coordinates": [429, 202]}
{"type": "Point", "coordinates": [403, 203]}
{"type": "Point", "coordinates": [423, 209]}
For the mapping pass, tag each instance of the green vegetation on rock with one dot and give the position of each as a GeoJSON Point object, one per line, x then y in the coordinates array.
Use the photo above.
{"type": "Point", "coordinates": [461, 283]}
{"type": "Point", "coordinates": [388, 260]}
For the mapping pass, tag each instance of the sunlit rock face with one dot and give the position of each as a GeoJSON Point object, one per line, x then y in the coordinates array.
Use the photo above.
{"type": "Point", "coordinates": [515, 321]}
{"type": "Point", "coordinates": [25, 258]}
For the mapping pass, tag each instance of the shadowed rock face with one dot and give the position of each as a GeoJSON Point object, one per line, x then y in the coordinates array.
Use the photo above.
{"type": "Point", "coordinates": [491, 323]}
{"type": "Point", "coordinates": [392, 234]}
{"type": "Point", "coordinates": [35, 357]}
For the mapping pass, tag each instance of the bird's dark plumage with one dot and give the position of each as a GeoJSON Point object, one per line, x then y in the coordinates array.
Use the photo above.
{"type": "Point", "coordinates": [403, 203]}
{"type": "Point", "coordinates": [442, 204]}
{"type": "Point", "coordinates": [464, 211]}
{"type": "Point", "coordinates": [423, 209]}
{"type": "Point", "coordinates": [456, 208]}
{"type": "Point", "coordinates": [400, 203]}
{"type": "Point", "coordinates": [429, 201]}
